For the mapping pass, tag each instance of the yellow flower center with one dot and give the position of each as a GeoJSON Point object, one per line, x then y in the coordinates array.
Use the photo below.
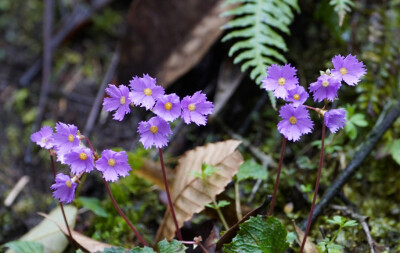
{"type": "Point", "coordinates": [292, 120]}
{"type": "Point", "coordinates": [147, 92]}
{"type": "Point", "coordinates": [154, 129]}
{"type": "Point", "coordinates": [45, 140]}
{"type": "Point", "coordinates": [325, 83]}
{"type": "Point", "coordinates": [111, 162]}
{"type": "Point", "coordinates": [83, 156]}
{"type": "Point", "coordinates": [296, 97]}
{"type": "Point", "coordinates": [281, 81]}
{"type": "Point", "coordinates": [192, 107]}
{"type": "Point", "coordinates": [122, 100]}
{"type": "Point", "coordinates": [343, 71]}
{"type": "Point", "coordinates": [168, 106]}
{"type": "Point", "coordinates": [68, 184]}
{"type": "Point", "coordinates": [71, 138]}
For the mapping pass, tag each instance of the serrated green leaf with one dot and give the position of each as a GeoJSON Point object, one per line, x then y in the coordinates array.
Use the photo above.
{"type": "Point", "coordinates": [171, 247]}
{"type": "Point", "coordinates": [251, 169]}
{"type": "Point", "coordinates": [25, 246]}
{"type": "Point", "coordinates": [93, 204]}
{"type": "Point", "coordinates": [257, 235]}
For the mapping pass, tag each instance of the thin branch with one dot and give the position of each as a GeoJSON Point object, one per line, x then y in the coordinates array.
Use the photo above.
{"type": "Point", "coordinates": [360, 155]}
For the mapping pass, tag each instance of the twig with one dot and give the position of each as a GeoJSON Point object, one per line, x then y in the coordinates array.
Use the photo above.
{"type": "Point", "coordinates": [100, 94]}
{"type": "Point", "coordinates": [47, 27]}
{"type": "Point", "coordinates": [81, 15]}
{"type": "Point", "coordinates": [16, 190]}
{"type": "Point", "coordinates": [363, 220]}
{"type": "Point", "coordinates": [361, 153]}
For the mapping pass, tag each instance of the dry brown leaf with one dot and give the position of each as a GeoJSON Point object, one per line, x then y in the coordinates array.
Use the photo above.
{"type": "Point", "coordinates": [151, 171]}
{"type": "Point", "coordinates": [189, 194]}
{"type": "Point", "coordinates": [83, 242]}
{"type": "Point", "coordinates": [309, 247]}
{"type": "Point", "coordinates": [229, 79]}
{"type": "Point", "coordinates": [167, 38]}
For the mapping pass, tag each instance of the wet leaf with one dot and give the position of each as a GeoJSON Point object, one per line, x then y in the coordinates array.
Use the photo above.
{"type": "Point", "coordinates": [25, 246]}
{"type": "Point", "coordinates": [82, 241]}
{"type": "Point", "coordinates": [47, 232]}
{"type": "Point", "coordinates": [189, 194]}
{"type": "Point", "coordinates": [258, 235]}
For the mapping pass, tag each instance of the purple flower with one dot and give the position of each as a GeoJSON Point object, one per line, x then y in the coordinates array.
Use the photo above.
{"type": "Point", "coordinates": [119, 100]}
{"type": "Point", "coordinates": [168, 107]}
{"type": "Point", "coordinates": [348, 69]}
{"type": "Point", "coordinates": [44, 137]}
{"type": "Point", "coordinates": [154, 132]}
{"type": "Point", "coordinates": [280, 80]}
{"type": "Point", "coordinates": [80, 159]}
{"type": "Point", "coordinates": [335, 119]}
{"type": "Point", "coordinates": [195, 108]}
{"type": "Point", "coordinates": [145, 92]}
{"type": "Point", "coordinates": [65, 137]}
{"type": "Point", "coordinates": [325, 87]}
{"type": "Point", "coordinates": [113, 164]}
{"type": "Point", "coordinates": [64, 188]}
{"type": "Point", "coordinates": [296, 122]}
{"type": "Point", "coordinates": [297, 96]}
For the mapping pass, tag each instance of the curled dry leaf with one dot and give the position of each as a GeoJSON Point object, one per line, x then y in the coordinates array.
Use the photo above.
{"type": "Point", "coordinates": [167, 38]}
{"type": "Point", "coordinates": [309, 247]}
{"type": "Point", "coordinates": [83, 242]}
{"type": "Point", "coordinates": [189, 194]}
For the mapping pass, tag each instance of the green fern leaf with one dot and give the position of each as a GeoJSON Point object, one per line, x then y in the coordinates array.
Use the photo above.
{"type": "Point", "coordinates": [256, 28]}
{"type": "Point", "coordinates": [341, 7]}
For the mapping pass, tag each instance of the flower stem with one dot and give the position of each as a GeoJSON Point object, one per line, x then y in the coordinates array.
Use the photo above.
{"type": "Point", "coordinates": [321, 159]}
{"type": "Point", "coordinates": [237, 201]}
{"type": "Point", "coordinates": [272, 205]}
{"type": "Point", "coordinates": [123, 215]}
{"type": "Point", "coordinates": [53, 166]}
{"type": "Point", "coordinates": [171, 205]}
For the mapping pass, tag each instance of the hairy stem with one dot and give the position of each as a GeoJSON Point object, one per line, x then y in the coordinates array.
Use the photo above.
{"type": "Point", "coordinates": [171, 205]}
{"type": "Point", "coordinates": [123, 215]}
{"type": "Point", "coordinates": [321, 159]}
{"type": "Point", "coordinates": [53, 166]}
{"type": "Point", "coordinates": [272, 205]}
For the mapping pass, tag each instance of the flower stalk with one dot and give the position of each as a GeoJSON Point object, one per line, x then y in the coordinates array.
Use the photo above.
{"type": "Point", "coordinates": [272, 205]}
{"type": "Point", "coordinates": [171, 205]}
{"type": "Point", "coordinates": [321, 159]}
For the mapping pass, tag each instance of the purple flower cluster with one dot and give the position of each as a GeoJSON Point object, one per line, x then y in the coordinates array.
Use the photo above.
{"type": "Point", "coordinates": [296, 119]}
{"type": "Point", "coordinates": [146, 93]}
{"type": "Point", "coordinates": [67, 145]}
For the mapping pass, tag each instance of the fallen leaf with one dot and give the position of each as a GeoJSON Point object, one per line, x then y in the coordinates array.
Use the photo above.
{"type": "Point", "coordinates": [83, 242]}
{"type": "Point", "coordinates": [309, 247]}
{"type": "Point", "coordinates": [167, 38]}
{"type": "Point", "coordinates": [47, 233]}
{"type": "Point", "coordinates": [229, 79]}
{"type": "Point", "coordinates": [189, 194]}
{"type": "Point", "coordinates": [151, 171]}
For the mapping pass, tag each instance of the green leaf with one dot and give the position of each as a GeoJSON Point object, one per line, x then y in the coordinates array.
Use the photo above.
{"type": "Point", "coordinates": [223, 203]}
{"type": "Point", "coordinates": [93, 204]}
{"type": "Point", "coordinates": [350, 223]}
{"type": "Point", "coordinates": [25, 246]}
{"type": "Point", "coordinates": [251, 169]}
{"type": "Point", "coordinates": [341, 7]}
{"type": "Point", "coordinates": [350, 130]}
{"type": "Point", "coordinates": [338, 220]}
{"type": "Point", "coordinates": [171, 247]}
{"type": "Point", "coordinates": [395, 150]}
{"type": "Point", "coordinates": [359, 120]}
{"type": "Point", "coordinates": [257, 235]}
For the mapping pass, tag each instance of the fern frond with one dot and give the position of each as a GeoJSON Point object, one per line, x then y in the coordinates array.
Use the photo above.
{"type": "Point", "coordinates": [341, 7]}
{"type": "Point", "coordinates": [256, 28]}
